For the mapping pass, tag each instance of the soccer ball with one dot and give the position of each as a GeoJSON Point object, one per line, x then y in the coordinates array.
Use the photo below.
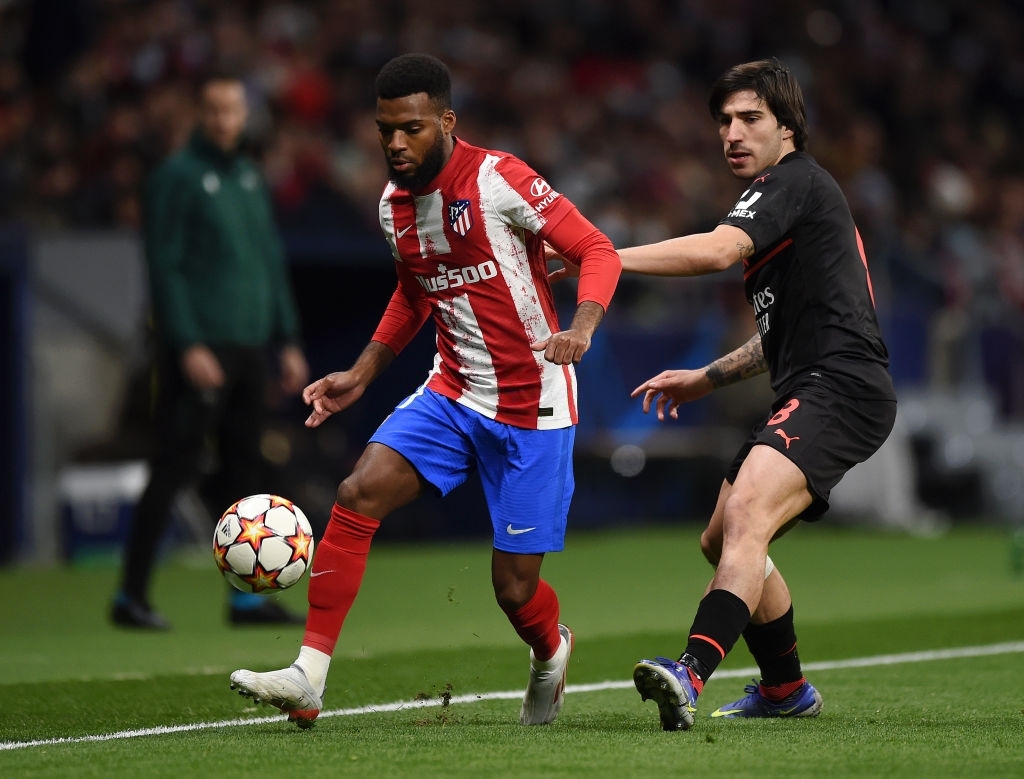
{"type": "Point", "coordinates": [263, 543]}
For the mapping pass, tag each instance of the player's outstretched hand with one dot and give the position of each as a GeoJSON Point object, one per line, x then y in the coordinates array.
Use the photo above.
{"type": "Point", "coordinates": [670, 389]}
{"type": "Point", "coordinates": [331, 394]}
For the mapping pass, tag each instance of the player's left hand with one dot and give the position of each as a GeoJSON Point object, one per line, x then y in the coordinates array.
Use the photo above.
{"type": "Point", "coordinates": [563, 347]}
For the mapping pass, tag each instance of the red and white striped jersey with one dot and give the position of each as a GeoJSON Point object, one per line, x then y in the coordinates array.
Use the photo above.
{"type": "Point", "coordinates": [470, 253]}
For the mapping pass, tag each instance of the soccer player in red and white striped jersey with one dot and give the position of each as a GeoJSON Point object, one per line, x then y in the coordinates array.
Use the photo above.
{"type": "Point", "coordinates": [467, 228]}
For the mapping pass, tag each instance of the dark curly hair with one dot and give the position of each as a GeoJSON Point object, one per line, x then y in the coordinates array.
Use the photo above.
{"type": "Point", "coordinates": [410, 74]}
{"type": "Point", "coordinates": [772, 82]}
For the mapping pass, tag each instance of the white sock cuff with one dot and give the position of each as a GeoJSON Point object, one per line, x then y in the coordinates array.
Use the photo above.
{"type": "Point", "coordinates": [314, 664]}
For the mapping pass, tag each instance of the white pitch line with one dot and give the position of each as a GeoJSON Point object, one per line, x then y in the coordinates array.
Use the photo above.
{"type": "Point", "coordinates": [1010, 647]}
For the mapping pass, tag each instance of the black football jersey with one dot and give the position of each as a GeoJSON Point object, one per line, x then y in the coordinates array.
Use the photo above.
{"type": "Point", "coordinates": [808, 282]}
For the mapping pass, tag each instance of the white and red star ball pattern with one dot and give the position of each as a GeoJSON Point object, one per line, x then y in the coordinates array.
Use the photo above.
{"type": "Point", "coordinates": [263, 543]}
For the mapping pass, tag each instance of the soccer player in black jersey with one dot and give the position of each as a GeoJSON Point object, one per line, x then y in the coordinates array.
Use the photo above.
{"type": "Point", "coordinates": [818, 337]}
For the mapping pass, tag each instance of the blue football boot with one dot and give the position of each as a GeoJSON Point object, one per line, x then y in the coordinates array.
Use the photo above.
{"type": "Point", "coordinates": [669, 684]}
{"type": "Point", "coordinates": [805, 701]}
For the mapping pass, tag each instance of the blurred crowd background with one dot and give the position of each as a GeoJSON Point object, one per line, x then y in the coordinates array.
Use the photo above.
{"type": "Point", "coordinates": [914, 105]}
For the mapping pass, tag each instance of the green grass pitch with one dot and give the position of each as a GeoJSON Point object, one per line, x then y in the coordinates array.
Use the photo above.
{"type": "Point", "coordinates": [917, 645]}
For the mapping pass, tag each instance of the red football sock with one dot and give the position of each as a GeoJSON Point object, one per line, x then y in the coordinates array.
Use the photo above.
{"type": "Point", "coordinates": [779, 692]}
{"type": "Point", "coordinates": [537, 622]}
{"type": "Point", "coordinates": [338, 566]}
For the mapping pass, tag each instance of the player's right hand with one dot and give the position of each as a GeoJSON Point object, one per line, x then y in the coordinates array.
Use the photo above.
{"type": "Point", "coordinates": [670, 389]}
{"type": "Point", "coordinates": [331, 394]}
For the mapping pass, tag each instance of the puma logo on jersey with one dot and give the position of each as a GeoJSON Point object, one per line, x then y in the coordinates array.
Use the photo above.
{"type": "Point", "coordinates": [786, 438]}
{"type": "Point", "coordinates": [760, 179]}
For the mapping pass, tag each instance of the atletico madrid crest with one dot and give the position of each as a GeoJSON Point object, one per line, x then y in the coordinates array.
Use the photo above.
{"type": "Point", "coordinates": [460, 216]}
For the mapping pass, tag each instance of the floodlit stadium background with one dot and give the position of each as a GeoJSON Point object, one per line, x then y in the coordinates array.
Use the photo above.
{"type": "Point", "coordinates": [914, 107]}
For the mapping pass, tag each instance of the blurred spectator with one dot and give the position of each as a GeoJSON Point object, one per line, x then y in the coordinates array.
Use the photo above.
{"type": "Point", "coordinates": [222, 303]}
{"type": "Point", "coordinates": [913, 106]}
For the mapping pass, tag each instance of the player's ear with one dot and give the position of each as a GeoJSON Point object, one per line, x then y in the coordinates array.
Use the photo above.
{"type": "Point", "coordinates": [787, 134]}
{"type": "Point", "coordinates": [448, 121]}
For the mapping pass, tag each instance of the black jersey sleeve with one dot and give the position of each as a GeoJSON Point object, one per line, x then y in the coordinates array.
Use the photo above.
{"type": "Point", "coordinates": [773, 203]}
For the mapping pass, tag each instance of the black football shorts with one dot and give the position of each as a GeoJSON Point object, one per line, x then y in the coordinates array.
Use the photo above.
{"type": "Point", "coordinates": [824, 433]}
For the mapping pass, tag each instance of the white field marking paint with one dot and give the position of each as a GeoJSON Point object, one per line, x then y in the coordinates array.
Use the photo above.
{"type": "Point", "coordinates": [1011, 647]}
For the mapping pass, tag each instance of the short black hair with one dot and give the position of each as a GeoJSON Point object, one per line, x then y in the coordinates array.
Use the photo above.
{"type": "Point", "coordinates": [410, 74]}
{"type": "Point", "coordinates": [775, 84]}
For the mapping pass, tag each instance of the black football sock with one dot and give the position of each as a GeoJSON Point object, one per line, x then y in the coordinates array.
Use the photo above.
{"type": "Point", "coordinates": [719, 622]}
{"type": "Point", "coordinates": [773, 646]}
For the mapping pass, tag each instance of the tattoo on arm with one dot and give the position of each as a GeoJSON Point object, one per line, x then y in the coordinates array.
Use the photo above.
{"type": "Point", "coordinates": [745, 249]}
{"type": "Point", "coordinates": [737, 365]}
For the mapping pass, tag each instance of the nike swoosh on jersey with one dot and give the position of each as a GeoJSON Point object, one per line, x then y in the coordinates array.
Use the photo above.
{"type": "Point", "coordinates": [515, 532]}
{"type": "Point", "coordinates": [404, 230]}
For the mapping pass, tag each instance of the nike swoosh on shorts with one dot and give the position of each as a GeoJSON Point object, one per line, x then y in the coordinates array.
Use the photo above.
{"type": "Point", "coordinates": [515, 532]}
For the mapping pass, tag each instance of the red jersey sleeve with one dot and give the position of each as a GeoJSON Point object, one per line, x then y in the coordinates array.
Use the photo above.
{"type": "Point", "coordinates": [403, 317]}
{"type": "Point", "coordinates": [576, 239]}
{"type": "Point", "coordinates": [556, 219]}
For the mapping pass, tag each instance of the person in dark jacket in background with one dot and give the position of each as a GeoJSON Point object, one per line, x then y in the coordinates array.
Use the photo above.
{"type": "Point", "coordinates": [221, 302]}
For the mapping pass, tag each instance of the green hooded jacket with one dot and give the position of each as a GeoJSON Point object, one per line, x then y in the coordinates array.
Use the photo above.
{"type": "Point", "coordinates": [217, 272]}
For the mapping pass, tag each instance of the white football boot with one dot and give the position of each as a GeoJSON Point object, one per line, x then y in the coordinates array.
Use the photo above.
{"type": "Point", "coordinates": [287, 689]}
{"type": "Point", "coordinates": [546, 690]}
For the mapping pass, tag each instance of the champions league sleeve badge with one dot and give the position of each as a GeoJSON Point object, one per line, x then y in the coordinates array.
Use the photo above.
{"type": "Point", "coordinates": [460, 216]}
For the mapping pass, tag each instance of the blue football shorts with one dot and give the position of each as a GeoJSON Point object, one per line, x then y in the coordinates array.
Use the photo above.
{"type": "Point", "coordinates": [527, 475]}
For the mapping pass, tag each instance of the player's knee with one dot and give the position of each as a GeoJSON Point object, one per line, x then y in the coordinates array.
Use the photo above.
{"type": "Point", "coordinates": [351, 495]}
{"type": "Point", "coordinates": [375, 495]}
{"type": "Point", "coordinates": [364, 498]}
{"type": "Point", "coordinates": [737, 510]}
{"type": "Point", "coordinates": [381, 481]}
{"type": "Point", "coordinates": [744, 520]}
